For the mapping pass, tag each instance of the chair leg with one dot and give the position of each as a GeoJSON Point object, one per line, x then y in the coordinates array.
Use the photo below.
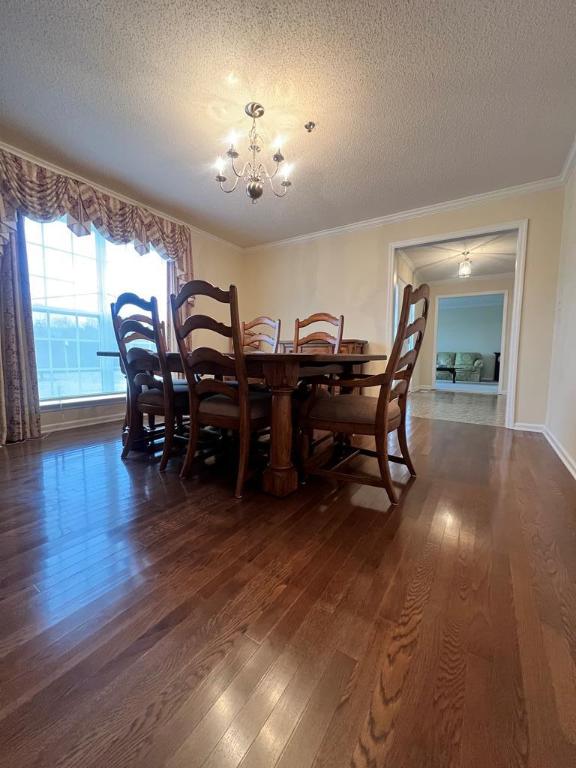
{"type": "Point", "coordinates": [134, 426]}
{"type": "Point", "coordinates": [383, 463]}
{"type": "Point", "coordinates": [303, 453]}
{"type": "Point", "coordinates": [244, 438]}
{"type": "Point", "coordinates": [191, 449]}
{"type": "Point", "coordinates": [403, 443]}
{"type": "Point", "coordinates": [168, 441]}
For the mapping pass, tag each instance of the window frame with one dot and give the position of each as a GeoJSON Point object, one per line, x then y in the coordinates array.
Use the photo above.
{"type": "Point", "coordinates": [104, 338]}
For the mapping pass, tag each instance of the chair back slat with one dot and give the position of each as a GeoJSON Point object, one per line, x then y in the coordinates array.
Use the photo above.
{"type": "Point", "coordinates": [319, 317]}
{"type": "Point", "coordinates": [202, 358]}
{"type": "Point", "coordinates": [131, 299]}
{"type": "Point", "coordinates": [415, 327]}
{"type": "Point", "coordinates": [334, 340]}
{"type": "Point", "coordinates": [201, 288]}
{"type": "Point", "coordinates": [139, 329]}
{"type": "Point", "coordinates": [420, 294]}
{"type": "Point", "coordinates": [207, 361]}
{"type": "Point", "coordinates": [206, 323]}
{"type": "Point", "coordinates": [407, 359]}
{"type": "Point", "coordinates": [318, 336]}
{"type": "Point", "coordinates": [253, 339]}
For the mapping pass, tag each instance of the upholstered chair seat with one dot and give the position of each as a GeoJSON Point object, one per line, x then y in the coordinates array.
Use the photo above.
{"type": "Point", "coordinates": [155, 398]}
{"type": "Point", "coordinates": [220, 405]}
{"type": "Point", "coordinates": [345, 410]}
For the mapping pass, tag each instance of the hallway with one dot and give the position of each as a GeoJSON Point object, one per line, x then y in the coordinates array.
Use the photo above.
{"type": "Point", "coordinates": [458, 406]}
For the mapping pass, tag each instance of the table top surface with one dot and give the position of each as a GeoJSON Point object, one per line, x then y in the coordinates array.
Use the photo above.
{"type": "Point", "coordinates": [296, 357]}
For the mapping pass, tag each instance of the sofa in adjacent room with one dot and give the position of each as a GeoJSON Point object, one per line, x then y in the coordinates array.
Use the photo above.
{"type": "Point", "coordinates": [468, 365]}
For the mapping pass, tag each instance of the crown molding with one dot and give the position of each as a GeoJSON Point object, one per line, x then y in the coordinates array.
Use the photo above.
{"type": "Point", "coordinates": [542, 185]}
{"type": "Point", "coordinates": [570, 163]}
{"type": "Point", "coordinates": [108, 191]}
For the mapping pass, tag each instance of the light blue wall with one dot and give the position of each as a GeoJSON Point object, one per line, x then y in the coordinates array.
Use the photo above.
{"type": "Point", "coordinates": [465, 325]}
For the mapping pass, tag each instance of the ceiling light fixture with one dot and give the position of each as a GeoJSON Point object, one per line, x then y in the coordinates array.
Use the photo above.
{"type": "Point", "coordinates": [465, 266]}
{"type": "Point", "coordinates": [254, 173]}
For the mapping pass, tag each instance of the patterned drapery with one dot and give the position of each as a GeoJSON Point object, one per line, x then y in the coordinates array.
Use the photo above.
{"type": "Point", "coordinates": [45, 195]}
{"type": "Point", "coordinates": [29, 189]}
{"type": "Point", "coordinates": [19, 406]}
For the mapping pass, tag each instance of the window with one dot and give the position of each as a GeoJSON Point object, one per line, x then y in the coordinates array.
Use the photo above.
{"type": "Point", "coordinates": [73, 281]}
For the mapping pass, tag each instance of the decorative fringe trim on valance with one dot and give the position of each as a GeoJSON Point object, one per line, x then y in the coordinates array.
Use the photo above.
{"type": "Point", "coordinates": [45, 195]}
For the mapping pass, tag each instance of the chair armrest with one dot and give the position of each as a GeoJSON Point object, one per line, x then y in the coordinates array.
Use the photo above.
{"type": "Point", "coordinates": [361, 381]}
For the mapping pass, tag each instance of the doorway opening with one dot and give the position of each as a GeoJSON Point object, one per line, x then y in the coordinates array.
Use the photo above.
{"type": "Point", "coordinates": [467, 369]}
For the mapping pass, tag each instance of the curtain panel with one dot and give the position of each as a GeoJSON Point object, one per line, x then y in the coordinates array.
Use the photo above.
{"type": "Point", "coordinates": [19, 406]}
{"type": "Point", "coordinates": [29, 189]}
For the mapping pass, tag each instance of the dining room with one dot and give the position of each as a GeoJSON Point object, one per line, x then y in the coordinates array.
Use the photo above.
{"type": "Point", "coordinates": [234, 533]}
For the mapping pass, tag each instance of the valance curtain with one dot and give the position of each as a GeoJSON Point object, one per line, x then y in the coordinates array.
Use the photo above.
{"type": "Point", "coordinates": [29, 189]}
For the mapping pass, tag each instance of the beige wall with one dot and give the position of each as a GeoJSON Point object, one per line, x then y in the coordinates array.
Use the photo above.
{"type": "Point", "coordinates": [561, 421]}
{"type": "Point", "coordinates": [423, 373]}
{"type": "Point", "coordinates": [348, 273]}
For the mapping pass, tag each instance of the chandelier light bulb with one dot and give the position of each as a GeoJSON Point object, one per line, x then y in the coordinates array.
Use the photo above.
{"type": "Point", "coordinates": [219, 164]}
{"type": "Point", "coordinates": [232, 138]}
{"type": "Point", "coordinates": [287, 171]}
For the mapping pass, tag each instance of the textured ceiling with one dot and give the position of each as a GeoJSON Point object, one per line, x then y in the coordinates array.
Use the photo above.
{"type": "Point", "coordinates": [415, 102]}
{"type": "Point", "coordinates": [490, 255]}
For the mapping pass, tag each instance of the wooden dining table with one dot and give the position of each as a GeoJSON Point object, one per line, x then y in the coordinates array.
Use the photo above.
{"type": "Point", "coordinates": [282, 371]}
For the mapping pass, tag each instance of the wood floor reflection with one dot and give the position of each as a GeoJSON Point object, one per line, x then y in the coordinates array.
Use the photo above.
{"type": "Point", "coordinates": [148, 622]}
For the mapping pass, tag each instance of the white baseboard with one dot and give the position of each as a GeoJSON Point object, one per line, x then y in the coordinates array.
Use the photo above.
{"type": "Point", "coordinates": [527, 427]}
{"type": "Point", "coordinates": [77, 423]}
{"type": "Point", "coordinates": [568, 461]}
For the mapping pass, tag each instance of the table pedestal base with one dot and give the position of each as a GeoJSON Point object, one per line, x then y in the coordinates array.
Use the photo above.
{"type": "Point", "coordinates": [280, 477]}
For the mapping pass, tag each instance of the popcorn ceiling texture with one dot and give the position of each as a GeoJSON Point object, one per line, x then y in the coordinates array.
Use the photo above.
{"type": "Point", "coordinates": [415, 102]}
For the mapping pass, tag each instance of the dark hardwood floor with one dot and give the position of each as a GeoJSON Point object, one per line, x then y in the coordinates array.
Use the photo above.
{"type": "Point", "coordinates": [150, 622]}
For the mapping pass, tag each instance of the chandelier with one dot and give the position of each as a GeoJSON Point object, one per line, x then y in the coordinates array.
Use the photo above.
{"type": "Point", "coordinates": [465, 266]}
{"type": "Point", "coordinates": [254, 173]}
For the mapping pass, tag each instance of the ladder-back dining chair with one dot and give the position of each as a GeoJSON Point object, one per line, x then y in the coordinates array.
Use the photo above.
{"type": "Point", "coordinates": [333, 340]}
{"type": "Point", "coordinates": [151, 390]}
{"type": "Point", "coordinates": [350, 414]}
{"type": "Point", "coordinates": [253, 334]}
{"type": "Point", "coordinates": [213, 401]}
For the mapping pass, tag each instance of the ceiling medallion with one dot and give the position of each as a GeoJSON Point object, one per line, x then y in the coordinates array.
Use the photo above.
{"type": "Point", "coordinates": [465, 267]}
{"type": "Point", "coordinates": [254, 173]}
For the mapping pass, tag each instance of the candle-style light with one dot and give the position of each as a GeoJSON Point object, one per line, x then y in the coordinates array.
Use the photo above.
{"type": "Point", "coordinates": [465, 266]}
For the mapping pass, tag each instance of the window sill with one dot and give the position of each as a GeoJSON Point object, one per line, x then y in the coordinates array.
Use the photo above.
{"type": "Point", "coordinates": [81, 402]}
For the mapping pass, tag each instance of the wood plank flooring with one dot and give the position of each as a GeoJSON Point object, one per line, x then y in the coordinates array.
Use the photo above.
{"type": "Point", "coordinates": [147, 622]}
